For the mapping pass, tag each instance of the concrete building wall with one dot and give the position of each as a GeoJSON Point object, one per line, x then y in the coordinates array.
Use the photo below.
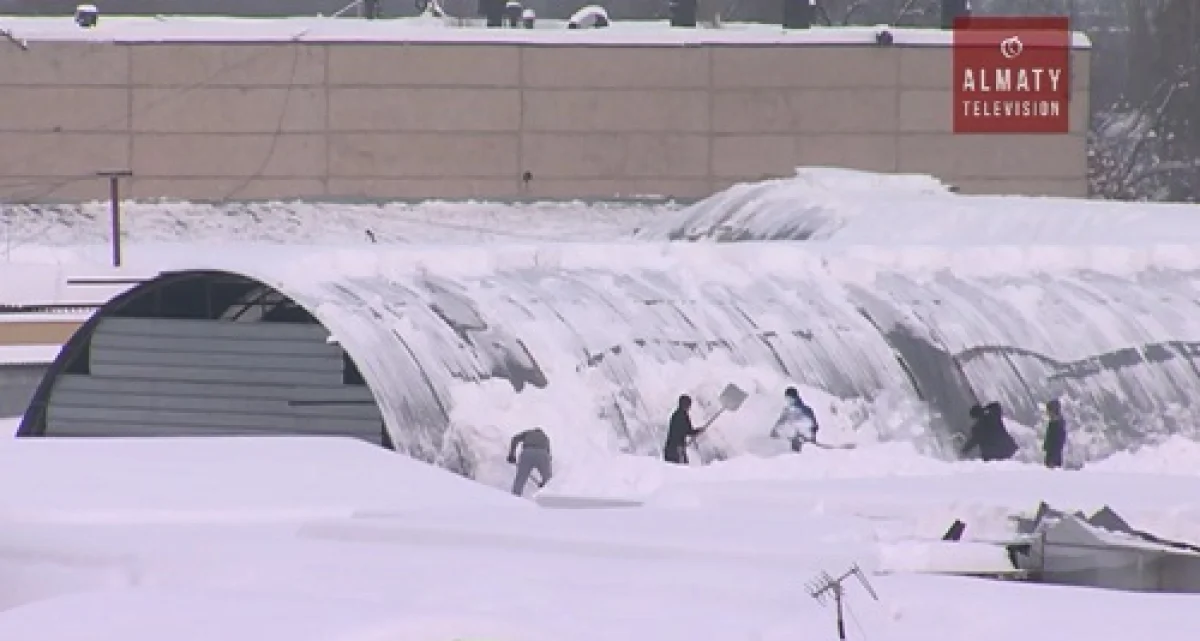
{"type": "Point", "coordinates": [13, 333]}
{"type": "Point", "coordinates": [237, 121]}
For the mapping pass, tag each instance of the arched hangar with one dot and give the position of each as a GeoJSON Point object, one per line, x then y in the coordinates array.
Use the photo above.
{"type": "Point", "coordinates": [381, 345]}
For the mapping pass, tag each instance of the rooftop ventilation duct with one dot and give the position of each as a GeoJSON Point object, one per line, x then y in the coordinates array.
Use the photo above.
{"type": "Point", "coordinates": [512, 13]}
{"type": "Point", "coordinates": [87, 15]}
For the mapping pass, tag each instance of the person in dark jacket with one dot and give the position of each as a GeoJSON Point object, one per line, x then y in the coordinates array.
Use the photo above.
{"type": "Point", "coordinates": [989, 434]}
{"type": "Point", "coordinates": [1056, 434]}
{"type": "Point", "coordinates": [535, 455]}
{"type": "Point", "coordinates": [679, 431]}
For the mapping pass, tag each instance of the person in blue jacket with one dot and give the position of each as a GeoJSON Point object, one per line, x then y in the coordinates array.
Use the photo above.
{"type": "Point", "coordinates": [797, 422]}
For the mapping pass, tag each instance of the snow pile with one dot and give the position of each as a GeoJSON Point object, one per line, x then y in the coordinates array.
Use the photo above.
{"type": "Point", "coordinates": [736, 541]}
{"type": "Point", "coordinates": [849, 206]}
{"type": "Point", "coordinates": [587, 448]}
{"type": "Point", "coordinates": [1174, 455]}
{"type": "Point", "coordinates": [205, 615]}
{"type": "Point", "coordinates": [186, 480]}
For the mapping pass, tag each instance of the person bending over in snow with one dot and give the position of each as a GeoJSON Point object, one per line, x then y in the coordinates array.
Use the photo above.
{"type": "Point", "coordinates": [989, 434]}
{"type": "Point", "coordinates": [797, 422]}
{"type": "Point", "coordinates": [679, 431]}
{"type": "Point", "coordinates": [1056, 435]}
{"type": "Point", "coordinates": [535, 455]}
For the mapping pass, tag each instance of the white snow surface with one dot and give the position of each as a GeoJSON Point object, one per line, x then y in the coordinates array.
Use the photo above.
{"type": "Point", "coordinates": [425, 29]}
{"type": "Point", "coordinates": [329, 540]}
{"type": "Point", "coordinates": [859, 207]}
{"type": "Point", "coordinates": [56, 253]}
{"type": "Point", "coordinates": [70, 233]}
{"type": "Point", "coordinates": [311, 539]}
{"type": "Point", "coordinates": [28, 354]}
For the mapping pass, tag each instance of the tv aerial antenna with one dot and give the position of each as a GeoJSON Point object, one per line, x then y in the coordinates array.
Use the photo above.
{"type": "Point", "coordinates": [824, 587]}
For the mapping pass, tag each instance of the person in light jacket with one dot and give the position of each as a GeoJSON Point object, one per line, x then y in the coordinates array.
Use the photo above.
{"type": "Point", "coordinates": [797, 422]}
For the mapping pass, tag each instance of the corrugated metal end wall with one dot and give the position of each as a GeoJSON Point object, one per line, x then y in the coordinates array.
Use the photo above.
{"type": "Point", "coordinates": [17, 384]}
{"type": "Point", "coordinates": [189, 377]}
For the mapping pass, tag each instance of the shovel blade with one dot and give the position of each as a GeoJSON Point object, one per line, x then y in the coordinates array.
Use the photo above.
{"type": "Point", "coordinates": [732, 397]}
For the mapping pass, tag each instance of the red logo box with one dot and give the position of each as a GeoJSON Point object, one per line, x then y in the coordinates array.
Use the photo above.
{"type": "Point", "coordinates": [1012, 75]}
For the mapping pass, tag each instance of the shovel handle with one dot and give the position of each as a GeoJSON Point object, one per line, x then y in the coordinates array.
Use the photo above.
{"type": "Point", "coordinates": [712, 418]}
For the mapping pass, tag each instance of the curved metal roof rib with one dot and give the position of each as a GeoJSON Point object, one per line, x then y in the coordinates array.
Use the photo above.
{"type": "Point", "coordinates": [421, 323]}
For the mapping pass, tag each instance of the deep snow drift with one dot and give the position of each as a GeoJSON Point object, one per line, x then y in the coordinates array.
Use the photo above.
{"type": "Point", "coordinates": [181, 539]}
{"type": "Point", "coordinates": [859, 207]}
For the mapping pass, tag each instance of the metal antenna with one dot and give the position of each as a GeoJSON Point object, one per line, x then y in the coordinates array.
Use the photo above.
{"type": "Point", "coordinates": [824, 586]}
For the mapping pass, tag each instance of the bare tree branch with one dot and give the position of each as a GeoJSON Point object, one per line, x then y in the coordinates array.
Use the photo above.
{"type": "Point", "coordinates": [851, 10]}
{"type": "Point", "coordinates": [904, 10]}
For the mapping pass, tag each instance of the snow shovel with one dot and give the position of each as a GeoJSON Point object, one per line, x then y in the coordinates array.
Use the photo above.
{"type": "Point", "coordinates": [829, 446]}
{"type": "Point", "coordinates": [730, 399]}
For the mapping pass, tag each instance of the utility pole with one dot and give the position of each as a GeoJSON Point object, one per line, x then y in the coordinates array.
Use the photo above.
{"type": "Point", "coordinates": [824, 586]}
{"type": "Point", "coordinates": [114, 196]}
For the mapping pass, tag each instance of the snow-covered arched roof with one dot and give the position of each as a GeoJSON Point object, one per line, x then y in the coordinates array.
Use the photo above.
{"type": "Point", "coordinates": [851, 206]}
{"type": "Point", "coordinates": [452, 341]}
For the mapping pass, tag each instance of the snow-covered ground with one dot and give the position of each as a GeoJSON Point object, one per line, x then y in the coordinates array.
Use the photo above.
{"type": "Point", "coordinates": [327, 540]}
{"type": "Point", "coordinates": [67, 233]}
{"type": "Point", "coordinates": [836, 206]}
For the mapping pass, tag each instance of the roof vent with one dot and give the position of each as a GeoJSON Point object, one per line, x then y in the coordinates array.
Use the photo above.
{"type": "Point", "coordinates": [87, 15]}
{"type": "Point", "coordinates": [512, 13]}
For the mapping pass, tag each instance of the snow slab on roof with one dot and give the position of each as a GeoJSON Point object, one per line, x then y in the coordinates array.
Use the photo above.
{"type": "Point", "coordinates": [323, 29]}
{"type": "Point", "coordinates": [852, 206]}
{"type": "Point", "coordinates": [28, 354]}
{"type": "Point", "coordinates": [189, 480]}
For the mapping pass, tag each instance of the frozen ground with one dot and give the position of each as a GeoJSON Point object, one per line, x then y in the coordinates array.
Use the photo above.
{"type": "Point", "coordinates": [321, 540]}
